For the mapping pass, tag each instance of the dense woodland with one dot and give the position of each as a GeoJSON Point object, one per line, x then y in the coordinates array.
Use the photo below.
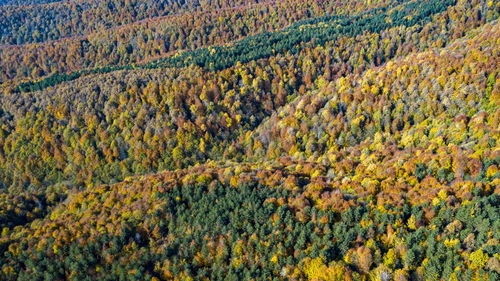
{"type": "Point", "coordinates": [262, 140]}
{"type": "Point", "coordinates": [266, 44]}
{"type": "Point", "coordinates": [160, 36]}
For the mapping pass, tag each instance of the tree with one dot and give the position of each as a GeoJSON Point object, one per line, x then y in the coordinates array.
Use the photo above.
{"type": "Point", "coordinates": [364, 259]}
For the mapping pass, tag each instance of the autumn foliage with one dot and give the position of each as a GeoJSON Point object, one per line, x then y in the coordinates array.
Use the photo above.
{"type": "Point", "coordinates": [171, 140]}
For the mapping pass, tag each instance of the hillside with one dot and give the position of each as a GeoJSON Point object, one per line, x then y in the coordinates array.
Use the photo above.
{"type": "Point", "coordinates": [286, 140]}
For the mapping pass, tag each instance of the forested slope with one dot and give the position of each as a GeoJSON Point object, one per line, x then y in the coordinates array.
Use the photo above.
{"type": "Point", "coordinates": [143, 40]}
{"type": "Point", "coordinates": [106, 127]}
{"type": "Point", "coordinates": [360, 144]}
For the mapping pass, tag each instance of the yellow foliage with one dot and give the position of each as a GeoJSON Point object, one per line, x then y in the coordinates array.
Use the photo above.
{"type": "Point", "coordinates": [349, 257]}
{"type": "Point", "coordinates": [204, 179]}
{"type": "Point", "coordinates": [390, 258]}
{"type": "Point", "coordinates": [491, 171]}
{"type": "Point", "coordinates": [234, 181]}
{"type": "Point", "coordinates": [411, 222]}
{"type": "Point", "coordinates": [56, 213]}
{"type": "Point", "coordinates": [478, 259]}
{"type": "Point", "coordinates": [401, 275]}
{"type": "Point", "coordinates": [316, 173]}
{"type": "Point", "coordinates": [316, 270]}
{"type": "Point", "coordinates": [451, 243]}
{"type": "Point", "coordinates": [137, 214]}
{"type": "Point", "coordinates": [370, 243]}
{"type": "Point", "coordinates": [435, 201]}
{"type": "Point", "coordinates": [236, 262]}
{"type": "Point", "coordinates": [365, 223]}
{"type": "Point", "coordinates": [7, 269]}
{"type": "Point", "coordinates": [443, 194]}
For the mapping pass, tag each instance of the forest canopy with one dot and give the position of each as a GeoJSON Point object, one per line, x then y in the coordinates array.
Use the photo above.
{"type": "Point", "coordinates": [249, 140]}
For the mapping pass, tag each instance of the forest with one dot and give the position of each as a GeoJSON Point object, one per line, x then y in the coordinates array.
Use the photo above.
{"type": "Point", "coordinates": [266, 44]}
{"type": "Point", "coordinates": [250, 140]}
